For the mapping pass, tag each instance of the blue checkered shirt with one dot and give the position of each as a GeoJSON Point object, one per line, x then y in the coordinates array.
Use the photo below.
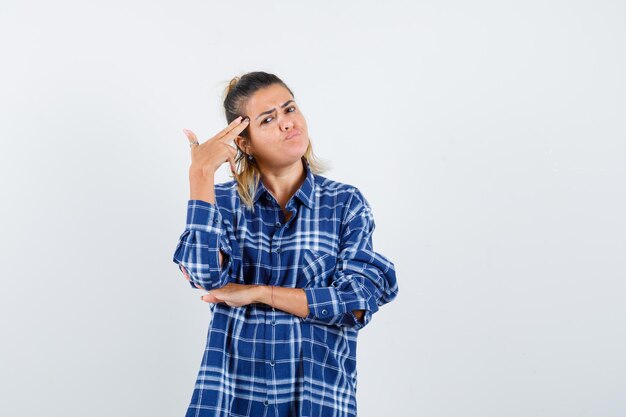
{"type": "Point", "coordinates": [264, 362]}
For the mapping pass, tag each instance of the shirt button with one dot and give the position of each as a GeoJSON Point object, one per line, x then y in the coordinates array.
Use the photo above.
{"type": "Point", "coordinates": [216, 220]}
{"type": "Point", "coordinates": [324, 312]}
{"type": "Point", "coordinates": [277, 250]}
{"type": "Point", "coordinates": [266, 402]}
{"type": "Point", "coordinates": [273, 322]}
{"type": "Point", "coordinates": [272, 363]}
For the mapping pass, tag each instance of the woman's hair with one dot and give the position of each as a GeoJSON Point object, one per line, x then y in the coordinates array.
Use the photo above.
{"type": "Point", "coordinates": [236, 95]}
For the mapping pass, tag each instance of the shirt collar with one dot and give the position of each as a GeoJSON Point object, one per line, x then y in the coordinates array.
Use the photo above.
{"type": "Point", "coordinates": [305, 193]}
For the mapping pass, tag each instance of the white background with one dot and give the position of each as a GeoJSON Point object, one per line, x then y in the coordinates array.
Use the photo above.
{"type": "Point", "coordinates": [488, 137]}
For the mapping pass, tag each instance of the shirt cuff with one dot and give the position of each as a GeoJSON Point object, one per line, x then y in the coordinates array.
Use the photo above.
{"type": "Point", "coordinates": [203, 216]}
{"type": "Point", "coordinates": [325, 306]}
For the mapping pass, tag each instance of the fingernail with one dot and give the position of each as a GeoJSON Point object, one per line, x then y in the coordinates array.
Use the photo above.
{"type": "Point", "coordinates": [247, 119]}
{"type": "Point", "coordinates": [238, 118]}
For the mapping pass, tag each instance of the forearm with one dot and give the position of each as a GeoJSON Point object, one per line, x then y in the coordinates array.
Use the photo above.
{"type": "Point", "coordinates": [204, 248]}
{"type": "Point", "coordinates": [201, 187]}
{"type": "Point", "coordinates": [291, 300]}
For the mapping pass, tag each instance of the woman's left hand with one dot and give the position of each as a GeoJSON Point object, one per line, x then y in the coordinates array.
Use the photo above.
{"type": "Point", "coordinates": [235, 295]}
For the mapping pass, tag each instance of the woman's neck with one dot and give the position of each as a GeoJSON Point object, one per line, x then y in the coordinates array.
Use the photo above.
{"type": "Point", "coordinates": [283, 182]}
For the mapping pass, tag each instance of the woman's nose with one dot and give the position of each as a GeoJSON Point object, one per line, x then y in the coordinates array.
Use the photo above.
{"type": "Point", "coordinates": [287, 125]}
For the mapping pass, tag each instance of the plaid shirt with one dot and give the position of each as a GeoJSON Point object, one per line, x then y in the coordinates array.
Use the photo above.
{"type": "Point", "coordinates": [264, 362]}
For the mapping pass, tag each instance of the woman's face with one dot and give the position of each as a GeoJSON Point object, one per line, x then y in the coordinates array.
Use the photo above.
{"type": "Point", "coordinates": [277, 132]}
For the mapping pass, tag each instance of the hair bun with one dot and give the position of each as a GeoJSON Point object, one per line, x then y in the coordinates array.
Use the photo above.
{"type": "Point", "coordinates": [232, 83]}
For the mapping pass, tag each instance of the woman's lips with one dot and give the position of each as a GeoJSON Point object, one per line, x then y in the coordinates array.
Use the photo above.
{"type": "Point", "coordinates": [294, 134]}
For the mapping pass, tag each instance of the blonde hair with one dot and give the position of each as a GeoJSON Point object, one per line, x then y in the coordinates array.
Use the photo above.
{"type": "Point", "coordinates": [247, 174]}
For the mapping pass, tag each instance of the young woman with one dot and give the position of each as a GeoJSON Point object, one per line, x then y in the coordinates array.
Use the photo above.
{"type": "Point", "coordinates": [286, 256]}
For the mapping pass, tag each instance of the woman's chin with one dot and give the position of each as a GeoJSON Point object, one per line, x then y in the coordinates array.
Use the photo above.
{"type": "Point", "coordinates": [297, 144]}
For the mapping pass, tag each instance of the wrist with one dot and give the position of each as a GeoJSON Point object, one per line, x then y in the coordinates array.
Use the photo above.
{"type": "Point", "coordinates": [201, 174]}
{"type": "Point", "coordinates": [201, 186]}
{"type": "Point", "coordinates": [263, 294]}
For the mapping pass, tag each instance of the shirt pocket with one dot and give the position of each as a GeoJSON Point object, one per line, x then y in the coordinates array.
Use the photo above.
{"type": "Point", "coordinates": [316, 268]}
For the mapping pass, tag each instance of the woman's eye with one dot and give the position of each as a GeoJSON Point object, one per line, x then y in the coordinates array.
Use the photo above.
{"type": "Point", "coordinates": [269, 119]}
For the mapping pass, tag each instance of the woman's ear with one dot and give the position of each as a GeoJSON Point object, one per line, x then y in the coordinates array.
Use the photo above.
{"type": "Point", "coordinates": [240, 142]}
{"type": "Point", "coordinates": [244, 145]}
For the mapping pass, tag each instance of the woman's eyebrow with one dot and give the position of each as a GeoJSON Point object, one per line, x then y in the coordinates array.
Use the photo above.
{"type": "Point", "coordinates": [271, 110]}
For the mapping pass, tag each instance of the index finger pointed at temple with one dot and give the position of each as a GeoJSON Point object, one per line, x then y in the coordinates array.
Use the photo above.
{"type": "Point", "coordinates": [229, 136]}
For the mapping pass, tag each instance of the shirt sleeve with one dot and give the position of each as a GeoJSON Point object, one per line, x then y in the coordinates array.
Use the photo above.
{"type": "Point", "coordinates": [363, 279]}
{"type": "Point", "coordinates": [199, 245]}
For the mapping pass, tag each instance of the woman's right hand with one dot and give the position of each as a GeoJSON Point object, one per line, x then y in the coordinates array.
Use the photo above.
{"type": "Point", "coordinates": [207, 157]}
